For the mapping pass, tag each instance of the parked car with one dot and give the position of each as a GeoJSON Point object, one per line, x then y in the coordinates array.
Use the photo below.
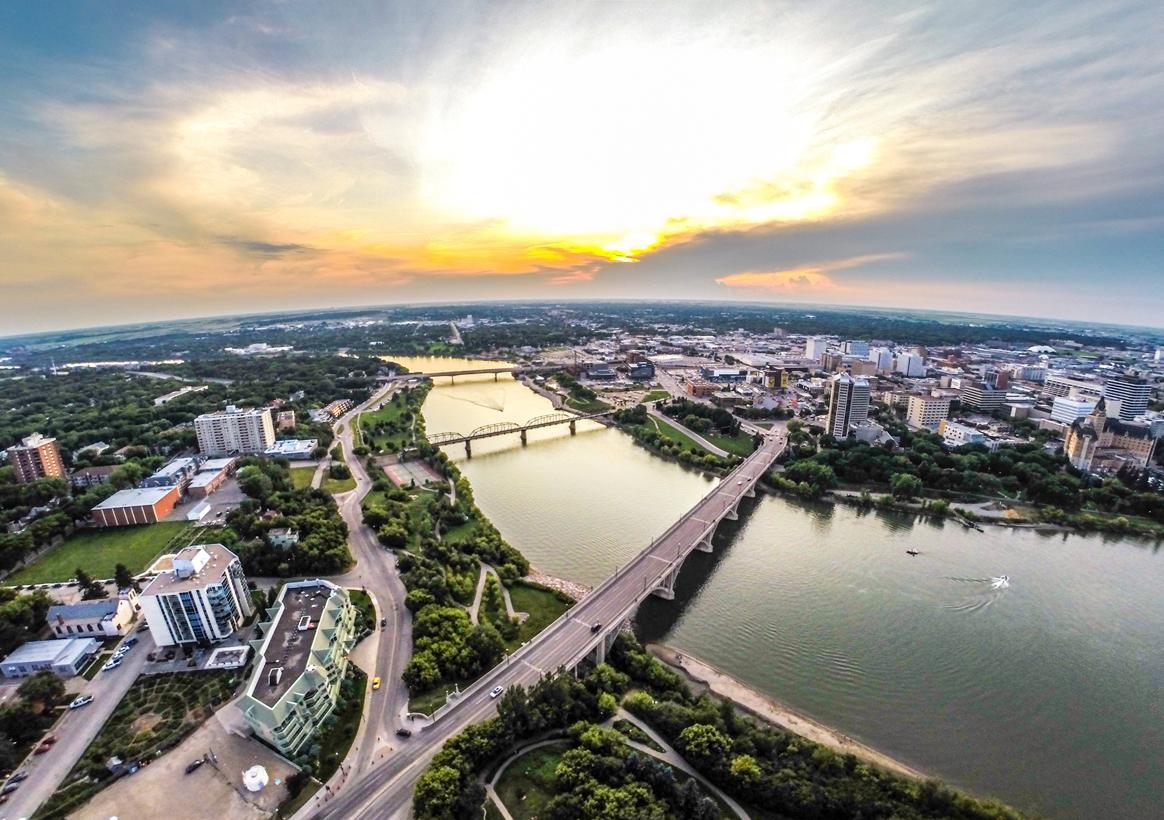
{"type": "Point", "coordinates": [193, 767]}
{"type": "Point", "coordinates": [402, 732]}
{"type": "Point", "coordinates": [142, 627]}
{"type": "Point", "coordinates": [9, 787]}
{"type": "Point", "coordinates": [111, 664]}
{"type": "Point", "coordinates": [131, 641]}
{"type": "Point", "coordinates": [18, 776]}
{"type": "Point", "coordinates": [82, 700]}
{"type": "Point", "coordinates": [497, 690]}
{"type": "Point", "coordinates": [375, 683]}
{"type": "Point", "coordinates": [383, 622]}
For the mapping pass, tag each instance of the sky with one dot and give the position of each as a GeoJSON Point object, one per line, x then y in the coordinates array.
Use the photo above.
{"type": "Point", "coordinates": [165, 160]}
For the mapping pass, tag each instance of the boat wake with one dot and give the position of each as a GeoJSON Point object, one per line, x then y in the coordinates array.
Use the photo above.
{"type": "Point", "coordinates": [497, 404]}
{"type": "Point", "coordinates": [989, 590]}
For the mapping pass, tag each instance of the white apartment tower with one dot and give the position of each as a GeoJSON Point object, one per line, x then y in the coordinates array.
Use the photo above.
{"type": "Point", "coordinates": [202, 599]}
{"type": "Point", "coordinates": [927, 411]}
{"type": "Point", "coordinates": [882, 357]}
{"type": "Point", "coordinates": [849, 404]}
{"type": "Point", "coordinates": [814, 346]}
{"type": "Point", "coordinates": [234, 431]}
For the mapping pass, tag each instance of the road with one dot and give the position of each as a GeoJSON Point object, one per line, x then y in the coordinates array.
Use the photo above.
{"type": "Point", "coordinates": [75, 731]}
{"type": "Point", "coordinates": [387, 790]}
{"type": "Point", "coordinates": [375, 571]}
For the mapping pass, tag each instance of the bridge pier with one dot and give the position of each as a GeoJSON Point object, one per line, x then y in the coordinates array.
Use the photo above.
{"type": "Point", "coordinates": [606, 643]}
{"type": "Point", "coordinates": [734, 513]}
{"type": "Point", "coordinates": [468, 449]}
{"type": "Point", "coordinates": [705, 544]}
{"type": "Point", "coordinates": [573, 428]}
{"type": "Point", "coordinates": [523, 441]}
{"type": "Point", "coordinates": [666, 587]}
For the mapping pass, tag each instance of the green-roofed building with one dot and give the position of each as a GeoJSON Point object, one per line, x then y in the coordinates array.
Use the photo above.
{"type": "Point", "coordinates": [301, 660]}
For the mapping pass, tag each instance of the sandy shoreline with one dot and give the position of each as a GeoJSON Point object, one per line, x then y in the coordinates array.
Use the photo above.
{"type": "Point", "coordinates": [706, 676]}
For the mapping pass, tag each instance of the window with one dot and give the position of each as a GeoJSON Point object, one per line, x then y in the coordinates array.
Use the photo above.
{"type": "Point", "coordinates": [69, 629]}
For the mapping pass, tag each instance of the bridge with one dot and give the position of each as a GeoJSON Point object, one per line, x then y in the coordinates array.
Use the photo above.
{"type": "Point", "coordinates": [587, 630]}
{"type": "Point", "coordinates": [516, 370]}
{"type": "Point", "coordinates": [502, 428]}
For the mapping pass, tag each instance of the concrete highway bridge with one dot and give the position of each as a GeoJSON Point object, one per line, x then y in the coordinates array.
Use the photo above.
{"type": "Point", "coordinates": [587, 630]}
{"type": "Point", "coordinates": [516, 370]}
{"type": "Point", "coordinates": [503, 428]}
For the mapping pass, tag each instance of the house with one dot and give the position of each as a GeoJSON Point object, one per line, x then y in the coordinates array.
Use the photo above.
{"type": "Point", "coordinates": [108, 618]}
{"type": "Point", "coordinates": [283, 537]}
{"type": "Point", "coordinates": [88, 477]}
{"type": "Point", "coordinates": [64, 657]}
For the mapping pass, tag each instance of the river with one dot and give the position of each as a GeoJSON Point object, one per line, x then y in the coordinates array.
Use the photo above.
{"type": "Point", "coordinates": [1042, 690]}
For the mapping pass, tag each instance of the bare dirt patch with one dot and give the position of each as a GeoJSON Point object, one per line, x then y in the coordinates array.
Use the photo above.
{"type": "Point", "coordinates": [145, 723]}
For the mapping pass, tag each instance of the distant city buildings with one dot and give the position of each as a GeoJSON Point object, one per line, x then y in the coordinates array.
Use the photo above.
{"type": "Point", "coordinates": [910, 364]}
{"type": "Point", "coordinates": [36, 457]}
{"type": "Point", "coordinates": [202, 599]}
{"type": "Point", "coordinates": [814, 346]}
{"type": "Point", "coordinates": [234, 430]}
{"type": "Point", "coordinates": [849, 404]}
{"type": "Point", "coordinates": [978, 394]}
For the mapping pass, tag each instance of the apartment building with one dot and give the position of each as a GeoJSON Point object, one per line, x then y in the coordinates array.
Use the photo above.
{"type": "Point", "coordinates": [235, 430]}
{"type": "Point", "coordinates": [202, 599]}
{"type": "Point", "coordinates": [848, 404]}
{"type": "Point", "coordinates": [36, 457]}
{"type": "Point", "coordinates": [926, 411]}
{"type": "Point", "coordinates": [301, 659]}
{"type": "Point", "coordinates": [979, 394]}
{"type": "Point", "coordinates": [1126, 397]}
{"type": "Point", "coordinates": [1066, 410]}
{"type": "Point", "coordinates": [958, 435]}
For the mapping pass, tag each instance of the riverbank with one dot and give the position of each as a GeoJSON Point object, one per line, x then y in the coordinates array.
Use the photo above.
{"type": "Point", "coordinates": [706, 676]}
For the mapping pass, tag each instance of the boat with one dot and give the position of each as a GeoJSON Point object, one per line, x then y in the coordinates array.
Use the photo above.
{"type": "Point", "coordinates": [912, 552]}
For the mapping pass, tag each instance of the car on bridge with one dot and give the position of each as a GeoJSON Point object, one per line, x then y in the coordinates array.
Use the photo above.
{"type": "Point", "coordinates": [83, 700]}
{"type": "Point", "coordinates": [496, 690]}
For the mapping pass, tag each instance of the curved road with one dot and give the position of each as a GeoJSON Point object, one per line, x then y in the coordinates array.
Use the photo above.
{"type": "Point", "coordinates": [375, 571]}
{"type": "Point", "coordinates": [387, 790]}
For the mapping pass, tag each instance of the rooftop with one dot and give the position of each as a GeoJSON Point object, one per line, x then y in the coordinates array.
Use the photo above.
{"type": "Point", "coordinates": [292, 445]}
{"type": "Point", "coordinates": [289, 648]}
{"type": "Point", "coordinates": [136, 497]}
{"type": "Point", "coordinates": [50, 651]}
{"type": "Point", "coordinates": [209, 570]}
{"type": "Point", "coordinates": [84, 610]}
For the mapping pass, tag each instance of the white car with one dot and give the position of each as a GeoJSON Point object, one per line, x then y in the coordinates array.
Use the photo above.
{"type": "Point", "coordinates": [112, 663]}
{"type": "Point", "coordinates": [83, 700]}
{"type": "Point", "coordinates": [497, 690]}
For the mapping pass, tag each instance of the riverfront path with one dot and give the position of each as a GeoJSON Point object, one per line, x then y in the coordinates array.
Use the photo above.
{"type": "Point", "coordinates": [387, 790]}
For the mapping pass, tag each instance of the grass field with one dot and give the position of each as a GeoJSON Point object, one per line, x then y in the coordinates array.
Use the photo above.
{"type": "Point", "coordinates": [99, 551]}
{"type": "Point", "coordinates": [335, 486]}
{"type": "Point", "coordinates": [740, 444]}
{"type": "Point", "coordinates": [543, 605]}
{"type": "Point", "coordinates": [527, 784]}
{"type": "Point", "coordinates": [301, 477]}
{"type": "Point", "coordinates": [670, 431]}
{"type": "Point", "coordinates": [656, 395]}
{"type": "Point", "coordinates": [386, 428]}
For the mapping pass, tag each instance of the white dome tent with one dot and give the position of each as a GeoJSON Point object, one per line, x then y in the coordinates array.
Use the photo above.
{"type": "Point", "coordinates": [255, 778]}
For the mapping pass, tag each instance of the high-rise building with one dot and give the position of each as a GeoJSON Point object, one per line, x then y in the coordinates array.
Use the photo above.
{"type": "Point", "coordinates": [857, 348]}
{"type": "Point", "coordinates": [235, 431]}
{"type": "Point", "coordinates": [1126, 397]}
{"type": "Point", "coordinates": [36, 457]}
{"type": "Point", "coordinates": [979, 394]}
{"type": "Point", "coordinates": [882, 357]}
{"type": "Point", "coordinates": [814, 346]}
{"type": "Point", "coordinates": [1066, 410]}
{"type": "Point", "coordinates": [927, 411]}
{"type": "Point", "coordinates": [301, 660]}
{"type": "Point", "coordinates": [203, 599]}
{"type": "Point", "coordinates": [848, 405]}
{"type": "Point", "coordinates": [910, 364]}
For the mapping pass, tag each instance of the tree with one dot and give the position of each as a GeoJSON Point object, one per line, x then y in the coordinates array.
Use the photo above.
{"type": "Point", "coordinates": [704, 745]}
{"type": "Point", "coordinates": [124, 578]}
{"type": "Point", "coordinates": [90, 588]}
{"type": "Point", "coordinates": [44, 688]}
{"type": "Point", "coordinates": [255, 483]}
{"type": "Point", "coordinates": [437, 793]}
{"type": "Point", "coordinates": [905, 486]}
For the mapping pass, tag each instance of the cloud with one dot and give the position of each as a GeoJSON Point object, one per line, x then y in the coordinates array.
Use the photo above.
{"type": "Point", "coordinates": [812, 278]}
{"type": "Point", "coordinates": [261, 248]}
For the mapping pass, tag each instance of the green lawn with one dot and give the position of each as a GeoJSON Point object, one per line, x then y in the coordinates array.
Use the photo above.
{"type": "Point", "coordinates": [670, 431]}
{"type": "Point", "coordinates": [98, 551]}
{"type": "Point", "coordinates": [390, 428]}
{"type": "Point", "coordinates": [740, 444]}
{"type": "Point", "coordinates": [335, 486]}
{"type": "Point", "coordinates": [301, 477]}
{"type": "Point", "coordinates": [656, 395]}
{"type": "Point", "coordinates": [527, 784]}
{"type": "Point", "coordinates": [586, 405]}
{"type": "Point", "coordinates": [543, 605]}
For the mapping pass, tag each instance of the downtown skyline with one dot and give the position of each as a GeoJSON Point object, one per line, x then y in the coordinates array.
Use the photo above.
{"type": "Point", "coordinates": [224, 159]}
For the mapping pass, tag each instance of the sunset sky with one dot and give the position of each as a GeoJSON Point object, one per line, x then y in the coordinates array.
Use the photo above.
{"type": "Point", "coordinates": [165, 160]}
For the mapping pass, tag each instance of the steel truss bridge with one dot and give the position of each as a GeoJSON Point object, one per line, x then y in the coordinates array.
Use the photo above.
{"type": "Point", "coordinates": [505, 428]}
{"type": "Point", "coordinates": [516, 370]}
